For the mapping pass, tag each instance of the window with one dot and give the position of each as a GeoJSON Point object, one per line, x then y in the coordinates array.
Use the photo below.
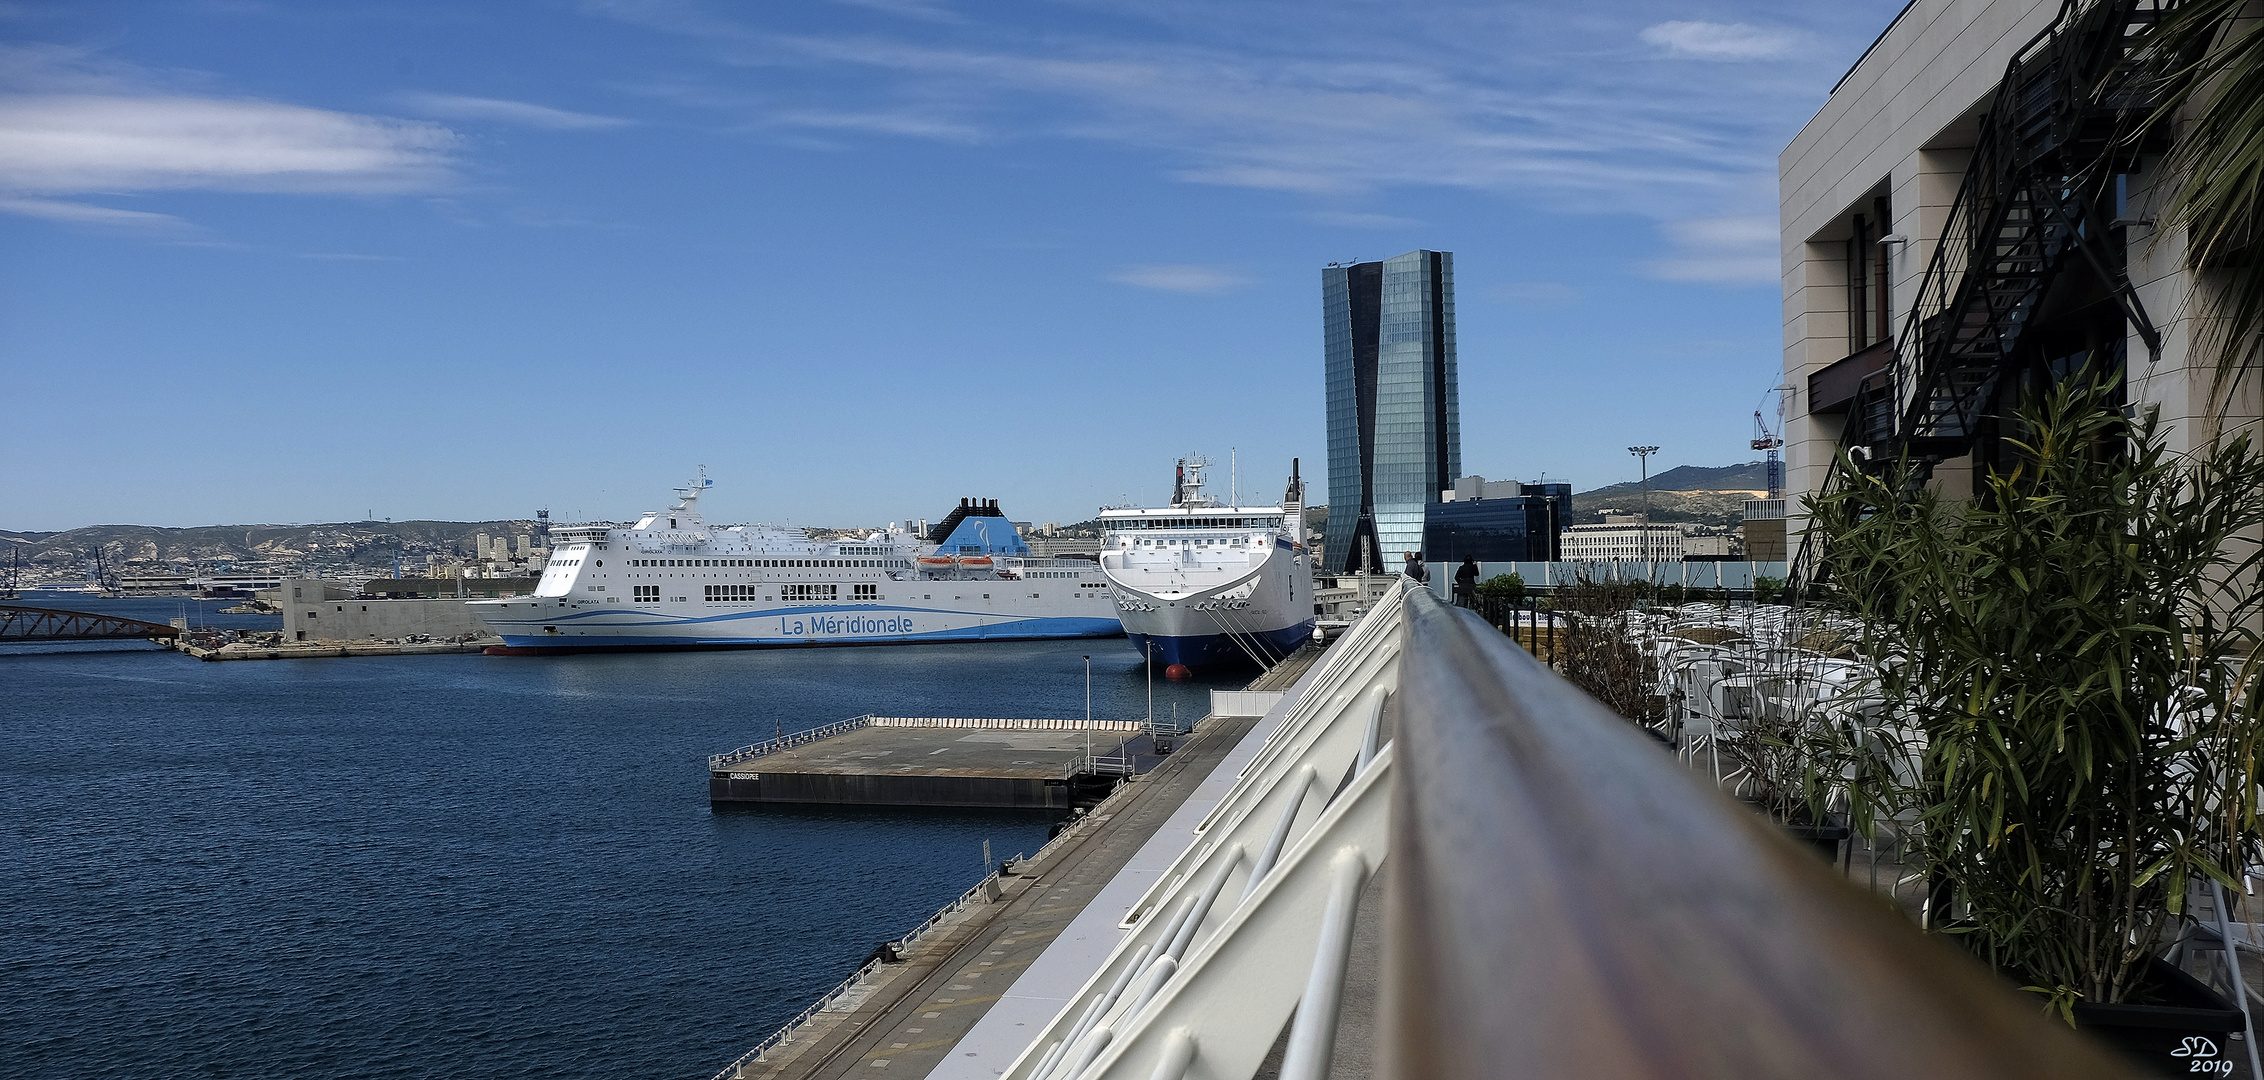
{"type": "Point", "coordinates": [864, 592]}
{"type": "Point", "coordinates": [729, 594]}
{"type": "Point", "coordinates": [645, 594]}
{"type": "Point", "coordinates": [809, 592]}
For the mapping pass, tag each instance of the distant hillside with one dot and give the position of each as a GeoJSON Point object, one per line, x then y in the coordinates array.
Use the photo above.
{"type": "Point", "coordinates": [313, 549]}
{"type": "Point", "coordinates": [1695, 494]}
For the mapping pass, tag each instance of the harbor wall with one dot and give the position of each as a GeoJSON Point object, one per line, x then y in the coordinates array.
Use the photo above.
{"type": "Point", "coordinates": [880, 789]}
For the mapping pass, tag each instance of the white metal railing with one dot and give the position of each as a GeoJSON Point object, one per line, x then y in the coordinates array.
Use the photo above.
{"type": "Point", "coordinates": [800, 738]}
{"type": "Point", "coordinates": [982, 891]}
{"type": "Point", "coordinates": [785, 1034]}
{"type": "Point", "coordinates": [1006, 724]}
{"type": "Point", "coordinates": [785, 742]}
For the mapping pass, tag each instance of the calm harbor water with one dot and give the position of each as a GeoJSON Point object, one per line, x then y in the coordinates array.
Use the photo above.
{"type": "Point", "coordinates": [460, 866]}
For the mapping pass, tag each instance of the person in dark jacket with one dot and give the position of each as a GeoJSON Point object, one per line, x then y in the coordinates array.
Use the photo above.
{"type": "Point", "coordinates": [1415, 568]}
{"type": "Point", "coordinates": [1466, 584]}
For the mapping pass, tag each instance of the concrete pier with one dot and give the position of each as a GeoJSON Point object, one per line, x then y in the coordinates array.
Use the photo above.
{"type": "Point", "coordinates": [934, 761]}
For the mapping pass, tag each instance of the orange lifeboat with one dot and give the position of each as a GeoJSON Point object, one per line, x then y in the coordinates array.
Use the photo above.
{"type": "Point", "coordinates": [975, 562]}
{"type": "Point", "coordinates": [939, 564]}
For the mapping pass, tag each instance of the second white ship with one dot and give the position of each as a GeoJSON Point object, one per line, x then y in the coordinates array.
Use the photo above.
{"type": "Point", "coordinates": [1206, 585]}
{"type": "Point", "coordinates": [673, 581]}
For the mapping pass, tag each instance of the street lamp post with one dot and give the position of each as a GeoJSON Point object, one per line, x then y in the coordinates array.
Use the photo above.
{"type": "Point", "coordinates": [1088, 713]}
{"type": "Point", "coordinates": [1151, 654]}
{"type": "Point", "coordinates": [1643, 455]}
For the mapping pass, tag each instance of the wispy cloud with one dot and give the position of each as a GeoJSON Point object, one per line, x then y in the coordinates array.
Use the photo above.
{"type": "Point", "coordinates": [460, 107]}
{"type": "Point", "coordinates": [1721, 251]}
{"type": "Point", "coordinates": [75, 122]}
{"type": "Point", "coordinates": [909, 9]}
{"type": "Point", "coordinates": [349, 256]}
{"type": "Point", "coordinates": [1181, 278]}
{"type": "Point", "coordinates": [916, 123]}
{"type": "Point", "coordinates": [1349, 219]}
{"type": "Point", "coordinates": [102, 216]}
{"type": "Point", "coordinates": [1720, 41]}
{"type": "Point", "coordinates": [80, 143]}
{"type": "Point", "coordinates": [1330, 105]}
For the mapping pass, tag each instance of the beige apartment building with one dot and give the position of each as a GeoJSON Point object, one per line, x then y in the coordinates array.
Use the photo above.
{"type": "Point", "coordinates": [1948, 246]}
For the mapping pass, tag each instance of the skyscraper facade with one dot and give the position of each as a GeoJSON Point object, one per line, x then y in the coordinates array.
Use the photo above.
{"type": "Point", "coordinates": [1395, 438]}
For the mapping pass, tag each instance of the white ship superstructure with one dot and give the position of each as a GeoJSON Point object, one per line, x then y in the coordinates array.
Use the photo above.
{"type": "Point", "coordinates": [673, 580]}
{"type": "Point", "coordinates": [1205, 584]}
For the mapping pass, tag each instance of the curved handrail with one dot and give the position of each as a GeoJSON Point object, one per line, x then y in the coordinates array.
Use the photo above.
{"type": "Point", "coordinates": [1563, 895]}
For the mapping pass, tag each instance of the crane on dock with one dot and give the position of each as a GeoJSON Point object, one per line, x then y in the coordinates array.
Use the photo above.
{"type": "Point", "coordinates": [1772, 441]}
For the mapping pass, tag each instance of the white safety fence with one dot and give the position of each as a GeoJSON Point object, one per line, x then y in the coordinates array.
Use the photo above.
{"type": "Point", "coordinates": [1239, 703]}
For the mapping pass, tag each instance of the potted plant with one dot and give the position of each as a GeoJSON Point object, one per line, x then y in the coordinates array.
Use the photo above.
{"type": "Point", "coordinates": [2067, 697]}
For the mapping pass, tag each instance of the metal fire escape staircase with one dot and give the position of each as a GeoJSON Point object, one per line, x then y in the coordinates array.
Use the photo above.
{"type": "Point", "coordinates": [2067, 120]}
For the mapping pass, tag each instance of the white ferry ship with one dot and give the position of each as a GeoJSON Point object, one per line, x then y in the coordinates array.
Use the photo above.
{"type": "Point", "coordinates": [1208, 585]}
{"type": "Point", "coordinates": [674, 581]}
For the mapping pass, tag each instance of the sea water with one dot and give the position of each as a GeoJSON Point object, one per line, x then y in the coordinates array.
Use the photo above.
{"type": "Point", "coordinates": [462, 866]}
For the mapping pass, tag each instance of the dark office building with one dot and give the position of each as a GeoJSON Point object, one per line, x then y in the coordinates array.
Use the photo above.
{"type": "Point", "coordinates": [1521, 528]}
{"type": "Point", "coordinates": [1395, 437]}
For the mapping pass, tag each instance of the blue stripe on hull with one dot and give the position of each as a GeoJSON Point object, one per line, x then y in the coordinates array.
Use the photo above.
{"type": "Point", "coordinates": [1204, 651]}
{"type": "Point", "coordinates": [689, 635]}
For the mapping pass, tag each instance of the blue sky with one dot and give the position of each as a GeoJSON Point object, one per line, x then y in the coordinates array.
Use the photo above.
{"type": "Point", "coordinates": [285, 263]}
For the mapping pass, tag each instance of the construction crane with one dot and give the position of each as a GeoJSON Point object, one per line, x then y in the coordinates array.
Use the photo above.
{"type": "Point", "coordinates": [1765, 439]}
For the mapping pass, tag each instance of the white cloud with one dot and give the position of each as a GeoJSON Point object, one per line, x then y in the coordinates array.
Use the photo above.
{"type": "Point", "coordinates": [67, 143]}
{"type": "Point", "coordinates": [1720, 41]}
{"type": "Point", "coordinates": [84, 214]}
{"type": "Point", "coordinates": [459, 107]}
{"type": "Point", "coordinates": [1181, 278]}
{"type": "Point", "coordinates": [1721, 251]}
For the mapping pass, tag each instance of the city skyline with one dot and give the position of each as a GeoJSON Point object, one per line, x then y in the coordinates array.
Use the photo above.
{"type": "Point", "coordinates": [274, 264]}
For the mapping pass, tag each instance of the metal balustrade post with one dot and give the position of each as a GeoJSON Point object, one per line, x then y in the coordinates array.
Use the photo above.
{"type": "Point", "coordinates": [1312, 1036]}
{"type": "Point", "coordinates": [1373, 736]}
{"type": "Point", "coordinates": [1297, 791]}
{"type": "Point", "coordinates": [1178, 1054]}
{"type": "Point", "coordinates": [1202, 906]}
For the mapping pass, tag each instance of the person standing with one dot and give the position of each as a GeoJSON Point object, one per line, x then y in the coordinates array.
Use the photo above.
{"type": "Point", "coordinates": [1466, 584]}
{"type": "Point", "coordinates": [1415, 568]}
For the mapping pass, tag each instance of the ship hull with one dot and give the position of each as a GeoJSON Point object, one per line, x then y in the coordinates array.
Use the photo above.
{"type": "Point", "coordinates": [539, 626]}
{"type": "Point", "coordinates": [1255, 616]}
{"type": "Point", "coordinates": [1205, 652]}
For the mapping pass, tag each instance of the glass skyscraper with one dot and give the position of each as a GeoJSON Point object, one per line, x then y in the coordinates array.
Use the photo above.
{"type": "Point", "coordinates": [1395, 430]}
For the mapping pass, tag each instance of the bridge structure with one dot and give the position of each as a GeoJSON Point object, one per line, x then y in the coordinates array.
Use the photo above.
{"type": "Point", "coordinates": [27, 624]}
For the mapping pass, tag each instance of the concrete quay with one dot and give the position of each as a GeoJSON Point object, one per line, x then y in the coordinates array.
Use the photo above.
{"type": "Point", "coordinates": [964, 997]}
{"type": "Point", "coordinates": [935, 761]}
{"type": "Point", "coordinates": [311, 650]}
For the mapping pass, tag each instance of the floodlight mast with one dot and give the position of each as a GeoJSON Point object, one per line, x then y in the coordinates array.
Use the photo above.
{"type": "Point", "coordinates": [1643, 455]}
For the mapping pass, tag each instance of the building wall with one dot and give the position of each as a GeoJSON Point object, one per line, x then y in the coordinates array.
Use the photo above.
{"type": "Point", "coordinates": [1621, 543]}
{"type": "Point", "coordinates": [1903, 123]}
{"type": "Point", "coordinates": [356, 620]}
